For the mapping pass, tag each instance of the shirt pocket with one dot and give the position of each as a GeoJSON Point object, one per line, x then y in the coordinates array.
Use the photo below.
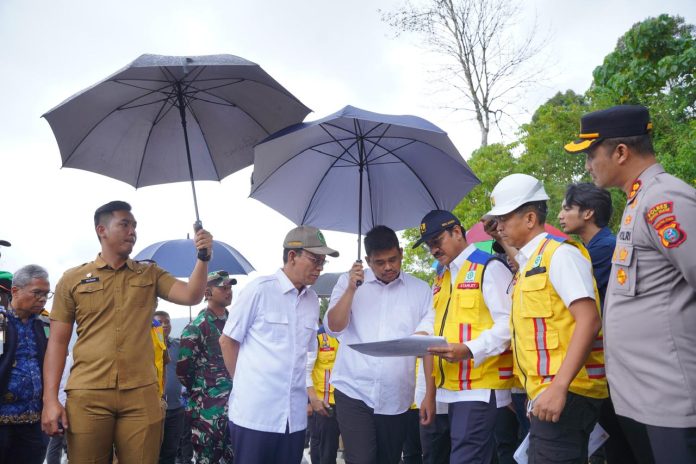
{"type": "Point", "coordinates": [141, 293]}
{"type": "Point", "coordinates": [277, 324]}
{"type": "Point", "coordinates": [536, 298]}
{"type": "Point", "coordinates": [90, 297]}
{"type": "Point", "coordinates": [623, 271]}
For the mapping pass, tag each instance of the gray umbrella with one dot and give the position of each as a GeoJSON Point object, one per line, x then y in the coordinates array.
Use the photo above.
{"type": "Point", "coordinates": [165, 119]}
{"type": "Point", "coordinates": [356, 169]}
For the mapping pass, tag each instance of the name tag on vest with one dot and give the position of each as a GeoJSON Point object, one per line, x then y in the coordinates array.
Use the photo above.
{"type": "Point", "coordinates": [468, 286]}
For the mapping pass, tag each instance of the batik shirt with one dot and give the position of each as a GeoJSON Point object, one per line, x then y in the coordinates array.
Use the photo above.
{"type": "Point", "coordinates": [21, 403]}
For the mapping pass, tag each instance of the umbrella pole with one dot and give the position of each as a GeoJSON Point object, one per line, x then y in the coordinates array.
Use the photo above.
{"type": "Point", "coordinates": [182, 113]}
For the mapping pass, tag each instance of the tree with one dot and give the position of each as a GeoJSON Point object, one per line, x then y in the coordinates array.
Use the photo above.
{"type": "Point", "coordinates": [653, 64]}
{"type": "Point", "coordinates": [490, 164]}
{"type": "Point", "coordinates": [554, 124]}
{"type": "Point", "coordinates": [486, 61]}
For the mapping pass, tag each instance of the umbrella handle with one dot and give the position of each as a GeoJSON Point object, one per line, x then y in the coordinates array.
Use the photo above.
{"type": "Point", "coordinates": [202, 254]}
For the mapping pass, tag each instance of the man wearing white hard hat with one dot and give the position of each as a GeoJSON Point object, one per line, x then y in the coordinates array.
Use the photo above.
{"type": "Point", "coordinates": [555, 325]}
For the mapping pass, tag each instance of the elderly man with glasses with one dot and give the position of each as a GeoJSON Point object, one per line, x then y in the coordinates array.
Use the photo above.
{"type": "Point", "coordinates": [270, 330]}
{"type": "Point", "coordinates": [25, 340]}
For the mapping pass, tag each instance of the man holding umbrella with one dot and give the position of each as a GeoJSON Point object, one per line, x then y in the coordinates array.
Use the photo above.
{"type": "Point", "coordinates": [112, 391]}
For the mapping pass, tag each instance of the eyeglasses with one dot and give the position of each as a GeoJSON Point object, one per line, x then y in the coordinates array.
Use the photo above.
{"type": "Point", "coordinates": [318, 262]}
{"type": "Point", "coordinates": [38, 294]}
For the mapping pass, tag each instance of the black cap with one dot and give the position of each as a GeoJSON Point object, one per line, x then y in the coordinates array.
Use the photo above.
{"type": "Point", "coordinates": [617, 121]}
{"type": "Point", "coordinates": [435, 222]}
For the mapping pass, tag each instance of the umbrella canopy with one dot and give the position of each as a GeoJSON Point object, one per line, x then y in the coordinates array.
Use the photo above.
{"type": "Point", "coordinates": [356, 169]}
{"type": "Point", "coordinates": [477, 234]}
{"type": "Point", "coordinates": [141, 124]}
{"type": "Point", "coordinates": [179, 257]}
{"type": "Point", "coordinates": [325, 284]}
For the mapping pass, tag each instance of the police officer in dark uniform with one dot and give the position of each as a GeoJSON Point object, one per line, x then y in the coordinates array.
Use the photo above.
{"type": "Point", "coordinates": [650, 308]}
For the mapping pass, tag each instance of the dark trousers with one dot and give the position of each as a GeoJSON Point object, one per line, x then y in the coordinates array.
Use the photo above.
{"type": "Point", "coordinates": [653, 444]}
{"type": "Point", "coordinates": [565, 441]}
{"type": "Point", "coordinates": [472, 426]}
{"type": "Point", "coordinates": [173, 428]}
{"type": "Point", "coordinates": [184, 454]}
{"type": "Point", "coordinates": [507, 434]}
{"type": "Point", "coordinates": [323, 440]}
{"type": "Point", "coordinates": [412, 452]}
{"type": "Point", "coordinates": [256, 447]}
{"type": "Point", "coordinates": [369, 438]}
{"type": "Point", "coordinates": [56, 446]}
{"type": "Point", "coordinates": [435, 440]}
{"type": "Point", "coordinates": [617, 449]}
{"type": "Point", "coordinates": [24, 443]}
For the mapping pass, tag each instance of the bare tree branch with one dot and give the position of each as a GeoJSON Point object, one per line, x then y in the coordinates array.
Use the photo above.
{"type": "Point", "coordinates": [487, 58]}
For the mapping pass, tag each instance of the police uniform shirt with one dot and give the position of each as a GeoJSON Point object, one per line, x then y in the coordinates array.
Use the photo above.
{"type": "Point", "coordinates": [650, 309]}
{"type": "Point", "coordinates": [113, 310]}
{"type": "Point", "coordinates": [275, 325]}
{"type": "Point", "coordinates": [380, 312]}
{"type": "Point", "coordinates": [493, 341]}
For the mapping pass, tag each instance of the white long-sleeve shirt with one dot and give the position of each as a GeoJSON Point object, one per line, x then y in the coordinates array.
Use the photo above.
{"type": "Point", "coordinates": [380, 312]}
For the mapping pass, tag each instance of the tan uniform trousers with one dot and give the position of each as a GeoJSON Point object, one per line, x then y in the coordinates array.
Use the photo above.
{"type": "Point", "coordinates": [129, 420]}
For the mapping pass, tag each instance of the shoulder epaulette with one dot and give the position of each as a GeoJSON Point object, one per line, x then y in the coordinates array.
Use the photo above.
{"type": "Point", "coordinates": [556, 238]}
{"type": "Point", "coordinates": [479, 257]}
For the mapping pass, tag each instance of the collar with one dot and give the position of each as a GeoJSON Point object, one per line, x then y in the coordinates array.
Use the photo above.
{"type": "Point", "coordinates": [101, 264]}
{"type": "Point", "coordinates": [372, 278]}
{"type": "Point", "coordinates": [648, 173]}
{"type": "Point", "coordinates": [461, 257]}
{"type": "Point", "coordinates": [528, 250]}
{"type": "Point", "coordinates": [11, 311]}
{"type": "Point", "coordinates": [602, 233]}
{"type": "Point", "coordinates": [211, 315]}
{"type": "Point", "coordinates": [286, 286]}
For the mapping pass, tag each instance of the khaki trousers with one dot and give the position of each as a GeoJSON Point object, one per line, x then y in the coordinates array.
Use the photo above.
{"type": "Point", "coordinates": [128, 420]}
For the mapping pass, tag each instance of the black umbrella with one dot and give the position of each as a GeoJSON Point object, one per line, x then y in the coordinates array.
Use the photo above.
{"type": "Point", "coordinates": [131, 125]}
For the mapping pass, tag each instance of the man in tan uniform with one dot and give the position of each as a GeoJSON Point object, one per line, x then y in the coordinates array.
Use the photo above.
{"type": "Point", "coordinates": [650, 310]}
{"type": "Point", "coordinates": [112, 391]}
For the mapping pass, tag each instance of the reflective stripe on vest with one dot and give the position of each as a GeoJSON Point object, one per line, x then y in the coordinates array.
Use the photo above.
{"type": "Point", "coordinates": [465, 365]}
{"type": "Point", "coordinates": [541, 346]}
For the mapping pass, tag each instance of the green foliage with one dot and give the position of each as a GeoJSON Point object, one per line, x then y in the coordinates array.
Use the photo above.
{"type": "Point", "coordinates": [417, 261]}
{"type": "Point", "coordinates": [653, 64]}
{"type": "Point", "coordinates": [554, 124]}
{"type": "Point", "coordinates": [490, 163]}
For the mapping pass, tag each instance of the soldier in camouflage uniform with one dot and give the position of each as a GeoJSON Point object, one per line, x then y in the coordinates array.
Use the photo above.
{"type": "Point", "coordinates": [202, 371]}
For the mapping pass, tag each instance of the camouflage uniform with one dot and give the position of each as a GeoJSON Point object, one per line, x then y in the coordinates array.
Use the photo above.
{"type": "Point", "coordinates": [202, 371]}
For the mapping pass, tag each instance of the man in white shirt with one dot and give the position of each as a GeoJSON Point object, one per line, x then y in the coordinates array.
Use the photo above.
{"type": "Point", "coordinates": [374, 394]}
{"type": "Point", "coordinates": [473, 373]}
{"type": "Point", "coordinates": [268, 333]}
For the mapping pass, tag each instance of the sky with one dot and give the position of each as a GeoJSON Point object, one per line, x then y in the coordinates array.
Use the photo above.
{"type": "Point", "coordinates": [327, 53]}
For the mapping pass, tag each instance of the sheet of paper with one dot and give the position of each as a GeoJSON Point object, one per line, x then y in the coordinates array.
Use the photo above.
{"type": "Point", "coordinates": [413, 345]}
{"type": "Point", "coordinates": [597, 439]}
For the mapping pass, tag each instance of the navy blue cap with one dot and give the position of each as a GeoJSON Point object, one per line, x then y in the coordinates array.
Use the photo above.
{"type": "Point", "coordinates": [617, 121]}
{"type": "Point", "coordinates": [435, 222]}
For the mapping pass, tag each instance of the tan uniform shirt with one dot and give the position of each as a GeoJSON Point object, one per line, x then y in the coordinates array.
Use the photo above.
{"type": "Point", "coordinates": [113, 310]}
{"type": "Point", "coordinates": [650, 311]}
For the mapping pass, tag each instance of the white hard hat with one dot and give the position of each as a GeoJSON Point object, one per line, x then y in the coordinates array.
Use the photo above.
{"type": "Point", "coordinates": [514, 191]}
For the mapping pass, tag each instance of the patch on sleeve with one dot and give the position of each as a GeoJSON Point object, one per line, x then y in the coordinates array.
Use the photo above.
{"type": "Point", "coordinates": [671, 235]}
{"type": "Point", "coordinates": [658, 210]}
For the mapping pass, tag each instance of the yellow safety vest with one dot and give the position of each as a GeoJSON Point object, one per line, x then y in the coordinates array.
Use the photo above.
{"type": "Point", "coordinates": [461, 314]}
{"type": "Point", "coordinates": [321, 374]}
{"type": "Point", "coordinates": [542, 326]}
{"type": "Point", "coordinates": [157, 334]}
